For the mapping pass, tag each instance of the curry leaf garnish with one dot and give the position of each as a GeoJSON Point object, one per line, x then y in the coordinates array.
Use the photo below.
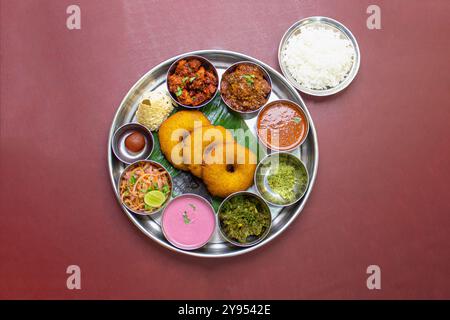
{"type": "Point", "coordinates": [179, 91]}
{"type": "Point", "coordinates": [186, 218]}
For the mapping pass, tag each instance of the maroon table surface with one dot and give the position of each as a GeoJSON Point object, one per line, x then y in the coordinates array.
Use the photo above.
{"type": "Point", "coordinates": [382, 190]}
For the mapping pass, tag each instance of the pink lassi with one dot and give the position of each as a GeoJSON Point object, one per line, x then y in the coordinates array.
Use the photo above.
{"type": "Point", "coordinates": [188, 221]}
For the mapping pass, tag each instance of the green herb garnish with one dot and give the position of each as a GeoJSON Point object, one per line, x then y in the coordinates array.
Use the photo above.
{"type": "Point", "coordinates": [296, 119]}
{"type": "Point", "coordinates": [193, 206]}
{"type": "Point", "coordinates": [179, 92]}
{"type": "Point", "coordinates": [186, 218]}
{"type": "Point", "coordinates": [249, 78]}
{"type": "Point", "coordinates": [185, 79]}
{"type": "Point", "coordinates": [133, 179]}
{"type": "Point", "coordinates": [165, 189]}
{"type": "Point", "coordinates": [192, 79]}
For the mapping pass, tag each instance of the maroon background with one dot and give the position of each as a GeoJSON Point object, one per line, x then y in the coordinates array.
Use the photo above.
{"type": "Point", "coordinates": [382, 192]}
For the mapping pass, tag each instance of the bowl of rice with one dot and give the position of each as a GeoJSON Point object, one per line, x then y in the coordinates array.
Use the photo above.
{"type": "Point", "coordinates": [319, 56]}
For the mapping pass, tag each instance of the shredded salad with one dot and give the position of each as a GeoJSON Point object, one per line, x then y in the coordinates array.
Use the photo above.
{"type": "Point", "coordinates": [145, 187]}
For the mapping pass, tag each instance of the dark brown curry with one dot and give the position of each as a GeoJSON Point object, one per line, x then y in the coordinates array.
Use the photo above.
{"type": "Point", "coordinates": [245, 89]}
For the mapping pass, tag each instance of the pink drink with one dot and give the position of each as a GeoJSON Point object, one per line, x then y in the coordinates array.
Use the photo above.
{"type": "Point", "coordinates": [188, 222]}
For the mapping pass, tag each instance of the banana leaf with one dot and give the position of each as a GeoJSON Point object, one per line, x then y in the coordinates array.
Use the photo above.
{"type": "Point", "coordinates": [219, 114]}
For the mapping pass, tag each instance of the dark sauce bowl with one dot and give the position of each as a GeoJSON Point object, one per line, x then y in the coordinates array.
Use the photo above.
{"type": "Point", "coordinates": [251, 113]}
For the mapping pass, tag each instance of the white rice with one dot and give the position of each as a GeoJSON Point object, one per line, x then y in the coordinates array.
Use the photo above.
{"type": "Point", "coordinates": [318, 57]}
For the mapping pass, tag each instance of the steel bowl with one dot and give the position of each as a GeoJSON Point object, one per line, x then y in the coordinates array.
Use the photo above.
{"type": "Point", "coordinates": [263, 170]}
{"type": "Point", "coordinates": [205, 63]}
{"type": "Point", "coordinates": [253, 113]}
{"type": "Point", "coordinates": [254, 241]}
{"type": "Point", "coordinates": [294, 29]}
{"type": "Point", "coordinates": [129, 167]}
{"type": "Point", "coordinates": [190, 195]}
{"type": "Point", "coordinates": [268, 105]}
{"type": "Point", "coordinates": [118, 143]}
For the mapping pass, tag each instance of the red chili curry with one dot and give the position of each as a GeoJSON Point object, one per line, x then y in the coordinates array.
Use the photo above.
{"type": "Point", "coordinates": [192, 83]}
{"type": "Point", "coordinates": [282, 125]}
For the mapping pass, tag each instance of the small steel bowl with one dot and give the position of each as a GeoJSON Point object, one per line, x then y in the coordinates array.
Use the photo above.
{"type": "Point", "coordinates": [255, 240]}
{"type": "Point", "coordinates": [207, 65]}
{"type": "Point", "coordinates": [294, 29]}
{"type": "Point", "coordinates": [291, 103]}
{"type": "Point", "coordinates": [131, 166]}
{"type": "Point", "coordinates": [253, 113]}
{"type": "Point", "coordinates": [188, 195]}
{"type": "Point", "coordinates": [263, 170]}
{"type": "Point", "coordinates": [118, 143]}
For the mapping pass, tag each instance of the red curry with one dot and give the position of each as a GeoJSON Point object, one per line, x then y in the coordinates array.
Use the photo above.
{"type": "Point", "coordinates": [282, 125]}
{"type": "Point", "coordinates": [192, 82]}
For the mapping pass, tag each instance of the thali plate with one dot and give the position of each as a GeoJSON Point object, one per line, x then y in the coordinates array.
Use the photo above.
{"type": "Point", "coordinates": [281, 89]}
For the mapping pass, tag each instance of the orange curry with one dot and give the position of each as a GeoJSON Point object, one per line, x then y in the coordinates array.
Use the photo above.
{"type": "Point", "coordinates": [282, 125]}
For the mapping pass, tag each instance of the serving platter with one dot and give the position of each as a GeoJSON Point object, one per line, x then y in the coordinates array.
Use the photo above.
{"type": "Point", "coordinates": [155, 79]}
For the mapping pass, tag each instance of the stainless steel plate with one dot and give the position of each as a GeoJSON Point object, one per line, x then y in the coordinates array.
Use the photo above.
{"type": "Point", "coordinates": [295, 28]}
{"type": "Point", "coordinates": [281, 217]}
